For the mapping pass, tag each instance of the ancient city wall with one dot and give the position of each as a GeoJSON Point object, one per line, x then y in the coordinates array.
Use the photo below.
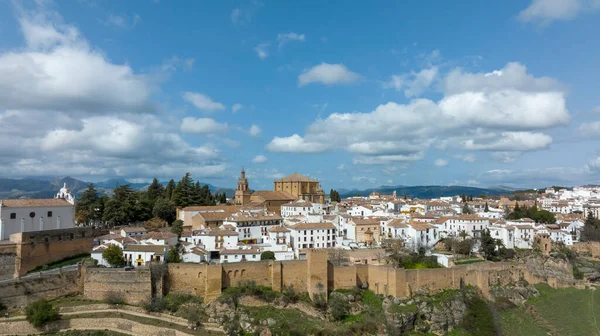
{"type": "Point", "coordinates": [134, 287]}
{"type": "Point", "coordinates": [39, 248]}
{"type": "Point", "coordinates": [587, 248]}
{"type": "Point", "coordinates": [8, 258]}
{"type": "Point", "coordinates": [18, 293]}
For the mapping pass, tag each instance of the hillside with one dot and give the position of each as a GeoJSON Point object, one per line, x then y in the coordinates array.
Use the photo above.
{"type": "Point", "coordinates": [427, 191]}
{"type": "Point", "coordinates": [48, 187]}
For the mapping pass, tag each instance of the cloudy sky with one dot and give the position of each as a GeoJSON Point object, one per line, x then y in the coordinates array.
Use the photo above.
{"type": "Point", "coordinates": [356, 94]}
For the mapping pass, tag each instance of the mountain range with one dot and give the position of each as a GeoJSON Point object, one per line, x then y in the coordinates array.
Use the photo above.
{"type": "Point", "coordinates": [428, 191]}
{"type": "Point", "coordinates": [47, 187]}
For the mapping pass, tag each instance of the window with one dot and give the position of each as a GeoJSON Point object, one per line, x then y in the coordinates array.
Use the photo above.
{"type": "Point", "coordinates": [49, 214]}
{"type": "Point", "coordinates": [32, 214]}
{"type": "Point", "coordinates": [13, 216]}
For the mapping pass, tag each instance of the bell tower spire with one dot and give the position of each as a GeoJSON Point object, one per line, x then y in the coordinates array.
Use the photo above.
{"type": "Point", "coordinates": [242, 193]}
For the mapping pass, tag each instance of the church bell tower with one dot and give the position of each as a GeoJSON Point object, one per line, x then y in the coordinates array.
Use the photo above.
{"type": "Point", "coordinates": [242, 193]}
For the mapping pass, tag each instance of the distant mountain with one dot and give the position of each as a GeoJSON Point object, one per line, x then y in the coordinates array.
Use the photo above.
{"type": "Point", "coordinates": [426, 191]}
{"type": "Point", "coordinates": [49, 186]}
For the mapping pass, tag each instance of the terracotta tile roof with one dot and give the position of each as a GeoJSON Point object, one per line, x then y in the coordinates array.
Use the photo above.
{"type": "Point", "coordinates": [295, 177]}
{"type": "Point", "coordinates": [397, 223]}
{"type": "Point", "coordinates": [421, 226]}
{"type": "Point", "coordinates": [217, 232]}
{"type": "Point", "coordinates": [252, 250]}
{"type": "Point", "coordinates": [199, 251]}
{"type": "Point", "coordinates": [254, 217]}
{"type": "Point", "coordinates": [366, 221]}
{"type": "Point", "coordinates": [133, 229]}
{"type": "Point", "coordinates": [273, 195]}
{"type": "Point", "coordinates": [157, 249]}
{"type": "Point", "coordinates": [209, 208]}
{"type": "Point", "coordinates": [214, 215]}
{"type": "Point", "coordinates": [278, 229]}
{"type": "Point", "coordinates": [312, 226]}
{"type": "Point", "coordinates": [158, 235]}
{"type": "Point", "coordinates": [298, 204]}
{"type": "Point", "coordinates": [35, 202]}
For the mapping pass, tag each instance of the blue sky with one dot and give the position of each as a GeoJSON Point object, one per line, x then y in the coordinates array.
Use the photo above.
{"type": "Point", "coordinates": [356, 94]}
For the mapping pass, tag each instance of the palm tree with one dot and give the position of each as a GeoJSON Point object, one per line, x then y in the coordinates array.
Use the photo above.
{"type": "Point", "coordinates": [499, 244]}
{"type": "Point", "coordinates": [463, 234]}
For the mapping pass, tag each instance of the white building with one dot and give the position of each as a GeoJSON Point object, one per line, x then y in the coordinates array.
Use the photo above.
{"type": "Point", "coordinates": [133, 231]}
{"type": "Point", "coordinates": [279, 242]}
{"type": "Point", "coordinates": [140, 255]}
{"type": "Point", "coordinates": [301, 208]}
{"type": "Point", "coordinates": [505, 233]}
{"type": "Point", "coordinates": [24, 215]}
{"type": "Point", "coordinates": [158, 238]}
{"type": "Point", "coordinates": [252, 228]}
{"type": "Point", "coordinates": [241, 253]}
{"type": "Point", "coordinates": [453, 226]}
{"type": "Point", "coordinates": [312, 235]}
{"type": "Point", "coordinates": [215, 239]}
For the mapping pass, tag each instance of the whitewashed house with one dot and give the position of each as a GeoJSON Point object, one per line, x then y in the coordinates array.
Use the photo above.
{"type": "Point", "coordinates": [241, 253]}
{"type": "Point", "coordinates": [312, 235]}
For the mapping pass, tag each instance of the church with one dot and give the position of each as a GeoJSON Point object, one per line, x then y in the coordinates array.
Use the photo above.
{"type": "Point", "coordinates": [285, 190]}
{"type": "Point", "coordinates": [27, 214]}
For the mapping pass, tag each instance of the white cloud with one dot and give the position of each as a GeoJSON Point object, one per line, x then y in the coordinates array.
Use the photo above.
{"type": "Point", "coordinates": [505, 157]}
{"type": "Point", "coordinates": [254, 130]}
{"type": "Point", "coordinates": [511, 141]}
{"type": "Point", "coordinates": [122, 21]}
{"type": "Point", "coordinates": [236, 107]}
{"type": "Point", "coordinates": [202, 126]}
{"type": "Point", "coordinates": [590, 128]}
{"type": "Point", "coordinates": [327, 74]}
{"type": "Point", "coordinates": [465, 157]}
{"type": "Point", "coordinates": [341, 166]}
{"type": "Point", "coordinates": [294, 144]}
{"type": "Point", "coordinates": [203, 102]}
{"type": "Point", "coordinates": [364, 179]}
{"type": "Point", "coordinates": [415, 83]}
{"type": "Point", "coordinates": [287, 37]}
{"type": "Point", "coordinates": [259, 159]}
{"type": "Point", "coordinates": [65, 109]}
{"type": "Point", "coordinates": [262, 50]}
{"type": "Point", "coordinates": [441, 163]}
{"type": "Point", "coordinates": [173, 63]}
{"type": "Point", "coordinates": [596, 110]}
{"type": "Point", "coordinates": [504, 114]}
{"type": "Point", "coordinates": [546, 11]}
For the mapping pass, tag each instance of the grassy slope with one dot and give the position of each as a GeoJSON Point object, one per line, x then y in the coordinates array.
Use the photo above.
{"type": "Point", "coordinates": [516, 322]}
{"type": "Point", "coordinates": [570, 311]}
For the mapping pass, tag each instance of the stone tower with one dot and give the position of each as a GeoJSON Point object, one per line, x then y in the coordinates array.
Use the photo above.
{"type": "Point", "coordinates": [242, 193]}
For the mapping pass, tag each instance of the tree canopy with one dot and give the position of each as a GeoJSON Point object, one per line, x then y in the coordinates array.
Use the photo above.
{"type": "Point", "coordinates": [39, 312]}
{"type": "Point", "coordinates": [334, 196]}
{"type": "Point", "coordinates": [173, 255]}
{"type": "Point", "coordinates": [591, 229]}
{"type": "Point", "coordinates": [267, 255]}
{"type": "Point", "coordinates": [113, 255]}
{"type": "Point", "coordinates": [539, 216]}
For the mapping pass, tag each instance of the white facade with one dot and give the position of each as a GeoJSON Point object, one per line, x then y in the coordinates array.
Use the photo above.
{"type": "Point", "coordinates": [360, 210]}
{"type": "Point", "coordinates": [214, 240]}
{"type": "Point", "coordinates": [505, 234]}
{"type": "Point", "coordinates": [240, 254]}
{"type": "Point", "coordinates": [312, 235]}
{"type": "Point", "coordinates": [25, 215]}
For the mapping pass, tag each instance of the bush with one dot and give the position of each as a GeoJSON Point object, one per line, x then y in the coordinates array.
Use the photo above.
{"type": "Point", "coordinates": [174, 302]}
{"type": "Point", "coordinates": [290, 295]}
{"type": "Point", "coordinates": [114, 298]}
{"type": "Point", "coordinates": [577, 274]}
{"type": "Point", "coordinates": [338, 307]}
{"type": "Point", "coordinates": [194, 313]}
{"type": "Point", "coordinates": [156, 305]}
{"type": "Point", "coordinates": [40, 312]}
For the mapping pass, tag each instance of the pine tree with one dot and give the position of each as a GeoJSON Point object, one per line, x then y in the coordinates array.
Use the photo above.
{"type": "Point", "coordinates": [466, 210]}
{"type": "Point", "coordinates": [121, 208]}
{"type": "Point", "coordinates": [168, 194]}
{"type": "Point", "coordinates": [87, 209]}
{"type": "Point", "coordinates": [155, 190]}
{"type": "Point", "coordinates": [183, 193]}
{"type": "Point", "coordinates": [164, 209]}
{"type": "Point", "coordinates": [487, 208]}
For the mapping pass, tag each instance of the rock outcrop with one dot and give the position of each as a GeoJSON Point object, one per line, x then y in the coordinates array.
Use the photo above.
{"type": "Point", "coordinates": [517, 294]}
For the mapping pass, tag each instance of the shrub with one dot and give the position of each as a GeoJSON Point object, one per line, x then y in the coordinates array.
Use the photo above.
{"type": "Point", "coordinates": [577, 274]}
{"type": "Point", "coordinates": [114, 298]}
{"type": "Point", "coordinates": [338, 307]}
{"type": "Point", "coordinates": [174, 302]}
{"type": "Point", "coordinates": [194, 313]}
{"type": "Point", "coordinates": [40, 312]}
{"type": "Point", "coordinates": [173, 255]}
{"type": "Point", "coordinates": [290, 295]}
{"type": "Point", "coordinates": [156, 304]}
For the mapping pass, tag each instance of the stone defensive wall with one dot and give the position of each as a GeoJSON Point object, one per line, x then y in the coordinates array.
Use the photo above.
{"type": "Point", "coordinates": [116, 284]}
{"type": "Point", "coordinates": [19, 292]}
{"type": "Point", "coordinates": [8, 258]}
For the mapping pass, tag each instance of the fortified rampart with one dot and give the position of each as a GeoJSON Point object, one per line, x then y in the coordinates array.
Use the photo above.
{"type": "Point", "coordinates": [19, 292]}
{"type": "Point", "coordinates": [38, 248]}
{"type": "Point", "coordinates": [8, 258]}
{"type": "Point", "coordinates": [116, 285]}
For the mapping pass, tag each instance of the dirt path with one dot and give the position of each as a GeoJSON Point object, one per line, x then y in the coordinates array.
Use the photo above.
{"type": "Point", "coordinates": [541, 320]}
{"type": "Point", "coordinates": [170, 319]}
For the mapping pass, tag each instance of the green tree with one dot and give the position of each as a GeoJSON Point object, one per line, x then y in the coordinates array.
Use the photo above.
{"type": "Point", "coordinates": [267, 255]}
{"type": "Point", "coordinates": [487, 208]}
{"type": "Point", "coordinates": [155, 190]}
{"type": "Point", "coordinates": [184, 192]}
{"type": "Point", "coordinates": [488, 245]}
{"type": "Point", "coordinates": [154, 224]}
{"type": "Point", "coordinates": [113, 255]}
{"type": "Point", "coordinates": [591, 228]}
{"type": "Point", "coordinates": [173, 255]}
{"type": "Point", "coordinates": [334, 196]}
{"type": "Point", "coordinates": [177, 227]}
{"type": "Point", "coordinates": [168, 194]}
{"type": "Point", "coordinates": [87, 209]}
{"type": "Point", "coordinates": [164, 209]}
{"type": "Point", "coordinates": [121, 208]}
{"type": "Point", "coordinates": [39, 312]}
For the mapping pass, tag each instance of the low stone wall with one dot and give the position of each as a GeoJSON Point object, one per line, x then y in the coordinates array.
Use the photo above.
{"type": "Point", "coordinates": [18, 293]}
{"type": "Point", "coordinates": [8, 257]}
{"type": "Point", "coordinates": [114, 324]}
{"type": "Point", "coordinates": [133, 287]}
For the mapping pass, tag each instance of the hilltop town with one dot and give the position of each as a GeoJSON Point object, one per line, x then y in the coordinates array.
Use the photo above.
{"type": "Point", "coordinates": [296, 236]}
